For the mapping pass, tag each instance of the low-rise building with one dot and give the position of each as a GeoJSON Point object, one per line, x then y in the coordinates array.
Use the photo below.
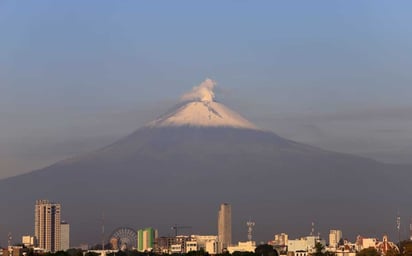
{"type": "Point", "coordinates": [206, 243]}
{"type": "Point", "coordinates": [304, 244]}
{"type": "Point", "coordinates": [14, 251]}
{"type": "Point", "coordinates": [28, 241]}
{"type": "Point", "coordinates": [248, 246]}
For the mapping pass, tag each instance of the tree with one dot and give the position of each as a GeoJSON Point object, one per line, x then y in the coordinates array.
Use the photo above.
{"type": "Point", "coordinates": [61, 253]}
{"type": "Point", "coordinates": [197, 253]}
{"type": "Point", "coordinates": [265, 250]}
{"type": "Point", "coordinates": [368, 252]}
{"type": "Point", "coordinates": [392, 252]}
{"type": "Point", "coordinates": [406, 248]}
{"type": "Point", "coordinates": [74, 252]}
{"type": "Point", "coordinates": [91, 254]}
{"type": "Point", "coordinates": [237, 253]}
{"type": "Point", "coordinates": [319, 250]}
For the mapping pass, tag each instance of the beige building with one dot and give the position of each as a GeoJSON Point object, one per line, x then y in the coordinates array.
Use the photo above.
{"type": "Point", "coordinates": [224, 226]}
{"type": "Point", "coordinates": [248, 246]}
{"type": "Point", "coordinates": [334, 237]}
{"type": "Point", "coordinates": [47, 228]}
{"type": "Point", "coordinates": [28, 241]}
{"type": "Point", "coordinates": [65, 236]}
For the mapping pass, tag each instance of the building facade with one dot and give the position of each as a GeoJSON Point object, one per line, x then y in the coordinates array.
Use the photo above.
{"type": "Point", "coordinates": [65, 236]}
{"type": "Point", "coordinates": [28, 241]}
{"type": "Point", "coordinates": [47, 229]}
{"type": "Point", "coordinates": [224, 226]}
{"type": "Point", "coordinates": [335, 236]}
{"type": "Point", "coordinates": [146, 239]}
{"type": "Point", "coordinates": [248, 246]}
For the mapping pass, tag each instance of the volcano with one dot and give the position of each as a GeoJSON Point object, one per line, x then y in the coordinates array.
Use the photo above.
{"type": "Point", "coordinates": [181, 166]}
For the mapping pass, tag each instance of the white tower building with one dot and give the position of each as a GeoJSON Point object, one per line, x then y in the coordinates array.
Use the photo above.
{"type": "Point", "coordinates": [65, 236]}
{"type": "Point", "coordinates": [224, 226]}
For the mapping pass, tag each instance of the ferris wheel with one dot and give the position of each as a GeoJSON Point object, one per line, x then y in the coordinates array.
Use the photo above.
{"type": "Point", "coordinates": [123, 239]}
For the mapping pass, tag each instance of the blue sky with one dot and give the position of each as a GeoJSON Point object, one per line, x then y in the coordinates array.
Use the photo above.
{"type": "Point", "coordinates": [75, 75]}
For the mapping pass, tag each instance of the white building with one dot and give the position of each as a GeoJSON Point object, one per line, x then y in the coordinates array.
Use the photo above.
{"type": "Point", "coordinates": [363, 243]}
{"type": "Point", "coordinates": [304, 244]}
{"type": "Point", "coordinates": [207, 243]}
{"type": "Point", "coordinates": [281, 239]}
{"type": "Point", "coordinates": [295, 245]}
{"type": "Point", "coordinates": [65, 236]}
{"type": "Point", "coordinates": [190, 246]}
{"type": "Point", "coordinates": [335, 236]}
{"type": "Point", "coordinates": [248, 246]}
{"type": "Point", "coordinates": [28, 241]}
{"type": "Point", "coordinates": [176, 248]}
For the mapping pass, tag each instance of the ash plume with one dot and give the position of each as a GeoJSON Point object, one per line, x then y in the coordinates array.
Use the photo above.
{"type": "Point", "coordinates": [202, 92]}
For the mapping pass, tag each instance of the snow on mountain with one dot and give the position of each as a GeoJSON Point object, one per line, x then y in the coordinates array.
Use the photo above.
{"type": "Point", "coordinates": [199, 109]}
{"type": "Point", "coordinates": [203, 113]}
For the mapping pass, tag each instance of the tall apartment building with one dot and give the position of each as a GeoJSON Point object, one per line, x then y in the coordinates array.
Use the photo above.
{"type": "Point", "coordinates": [145, 239]}
{"type": "Point", "coordinates": [47, 225]}
{"type": "Point", "coordinates": [224, 226]}
{"type": "Point", "coordinates": [335, 236]}
{"type": "Point", "coordinates": [65, 236]}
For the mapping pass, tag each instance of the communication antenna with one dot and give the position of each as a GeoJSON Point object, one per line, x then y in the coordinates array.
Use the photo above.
{"type": "Point", "coordinates": [9, 238]}
{"type": "Point", "coordinates": [312, 232]}
{"type": "Point", "coordinates": [250, 224]}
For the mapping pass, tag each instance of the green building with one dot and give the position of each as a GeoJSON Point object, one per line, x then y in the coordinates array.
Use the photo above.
{"type": "Point", "coordinates": [145, 239]}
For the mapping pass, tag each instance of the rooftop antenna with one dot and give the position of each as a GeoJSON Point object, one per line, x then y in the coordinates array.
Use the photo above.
{"type": "Point", "coordinates": [9, 238]}
{"type": "Point", "coordinates": [312, 232]}
{"type": "Point", "coordinates": [250, 224]}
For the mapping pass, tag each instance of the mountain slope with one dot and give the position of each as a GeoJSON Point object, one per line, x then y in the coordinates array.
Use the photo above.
{"type": "Point", "coordinates": [162, 176]}
{"type": "Point", "coordinates": [179, 168]}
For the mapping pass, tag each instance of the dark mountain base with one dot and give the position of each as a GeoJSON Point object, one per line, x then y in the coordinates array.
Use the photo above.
{"type": "Point", "coordinates": [164, 176]}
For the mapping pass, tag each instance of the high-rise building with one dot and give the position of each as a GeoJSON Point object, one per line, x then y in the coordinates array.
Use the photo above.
{"type": "Point", "coordinates": [145, 239]}
{"type": "Point", "coordinates": [47, 225]}
{"type": "Point", "coordinates": [335, 236]}
{"type": "Point", "coordinates": [65, 236]}
{"type": "Point", "coordinates": [224, 226]}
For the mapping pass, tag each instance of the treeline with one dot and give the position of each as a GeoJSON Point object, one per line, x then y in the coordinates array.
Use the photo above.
{"type": "Point", "coordinates": [261, 250]}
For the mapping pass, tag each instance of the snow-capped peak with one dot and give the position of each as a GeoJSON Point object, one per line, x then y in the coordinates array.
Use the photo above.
{"type": "Point", "coordinates": [199, 109]}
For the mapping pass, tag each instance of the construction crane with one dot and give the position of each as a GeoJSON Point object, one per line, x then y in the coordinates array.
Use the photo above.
{"type": "Point", "coordinates": [176, 228]}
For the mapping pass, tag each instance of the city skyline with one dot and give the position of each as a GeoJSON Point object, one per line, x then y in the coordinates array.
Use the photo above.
{"type": "Point", "coordinates": [48, 236]}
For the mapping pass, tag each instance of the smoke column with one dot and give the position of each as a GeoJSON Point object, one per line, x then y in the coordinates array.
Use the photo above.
{"type": "Point", "coordinates": [202, 92]}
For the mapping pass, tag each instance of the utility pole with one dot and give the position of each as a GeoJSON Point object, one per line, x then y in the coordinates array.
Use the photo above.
{"type": "Point", "coordinates": [250, 224]}
{"type": "Point", "coordinates": [9, 239]}
{"type": "Point", "coordinates": [410, 230]}
{"type": "Point", "coordinates": [102, 231]}
{"type": "Point", "coordinates": [398, 227]}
